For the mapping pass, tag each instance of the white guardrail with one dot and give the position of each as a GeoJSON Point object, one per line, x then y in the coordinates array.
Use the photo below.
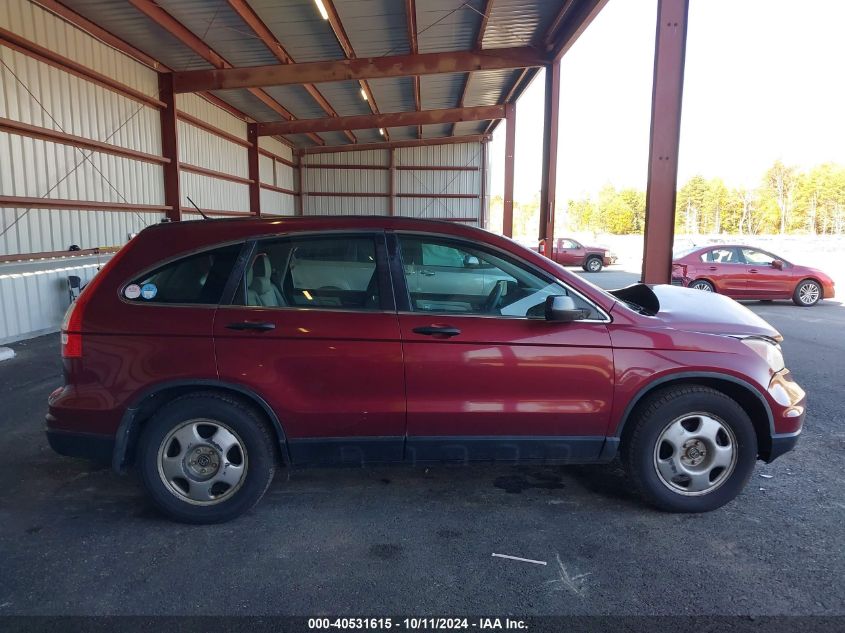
{"type": "Point", "coordinates": [34, 294]}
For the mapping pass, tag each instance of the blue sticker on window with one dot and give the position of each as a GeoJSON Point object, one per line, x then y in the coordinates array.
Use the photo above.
{"type": "Point", "coordinates": [148, 291]}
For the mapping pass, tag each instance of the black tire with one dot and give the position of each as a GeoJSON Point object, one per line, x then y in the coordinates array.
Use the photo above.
{"type": "Point", "coordinates": [593, 264]}
{"type": "Point", "coordinates": [703, 285]}
{"type": "Point", "coordinates": [247, 426]}
{"type": "Point", "coordinates": [799, 297]}
{"type": "Point", "coordinates": [657, 414]}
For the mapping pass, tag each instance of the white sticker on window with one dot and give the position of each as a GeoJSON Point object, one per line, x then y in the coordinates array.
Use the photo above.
{"type": "Point", "coordinates": [132, 291]}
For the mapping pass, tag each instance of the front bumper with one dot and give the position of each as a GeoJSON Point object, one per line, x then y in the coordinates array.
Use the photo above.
{"type": "Point", "coordinates": [788, 412]}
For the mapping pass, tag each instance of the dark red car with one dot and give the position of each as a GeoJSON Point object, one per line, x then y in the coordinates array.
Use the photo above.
{"type": "Point", "coordinates": [745, 272]}
{"type": "Point", "coordinates": [207, 353]}
{"type": "Point", "coordinates": [569, 252]}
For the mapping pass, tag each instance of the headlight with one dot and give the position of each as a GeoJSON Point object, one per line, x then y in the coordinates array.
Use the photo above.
{"type": "Point", "coordinates": [768, 351]}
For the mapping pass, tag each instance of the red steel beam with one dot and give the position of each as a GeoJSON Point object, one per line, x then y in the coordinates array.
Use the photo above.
{"type": "Point", "coordinates": [101, 34]}
{"type": "Point", "coordinates": [360, 68]}
{"type": "Point", "coordinates": [548, 186]}
{"type": "Point", "coordinates": [479, 39]}
{"type": "Point", "coordinates": [202, 49]}
{"type": "Point", "coordinates": [666, 97]}
{"type": "Point", "coordinates": [411, 20]}
{"type": "Point", "coordinates": [55, 136]}
{"type": "Point", "coordinates": [560, 38]}
{"type": "Point", "coordinates": [392, 119]}
{"type": "Point", "coordinates": [277, 189]}
{"type": "Point", "coordinates": [422, 142]}
{"type": "Point", "coordinates": [170, 147]}
{"type": "Point", "coordinates": [212, 173]}
{"type": "Point", "coordinates": [203, 125]}
{"type": "Point", "coordinates": [42, 54]}
{"type": "Point", "coordinates": [510, 144]}
{"type": "Point", "coordinates": [345, 43]}
{"type": "Point", "coordinates": [281, 159]}
{"type": "Point", "coordinates": [25, 202]}
{"type": "Point", "coordinates": [253, 169]}
{"type": "Point", "coordinates": [248, 15]}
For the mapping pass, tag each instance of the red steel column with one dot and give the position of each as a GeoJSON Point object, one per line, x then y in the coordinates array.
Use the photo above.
{"type": "Point", "coordinates": [510, 142]}
{"type": "Point", "coordinates": [170, 147]}
{"type": "Point", "coordinates": [549, 178]}
{"type": "Point", "coordinates": [391, 182]}
{"type": "Point", "coordinates": [253, 171]}
{"type": "Point", "coordinates": [299, 208]}
{"type": "Point", "coordinates": [482, 209]}
{"type": "Point", "coordinates": [667, 93]}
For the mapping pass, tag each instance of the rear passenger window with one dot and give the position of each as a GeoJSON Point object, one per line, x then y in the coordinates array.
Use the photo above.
{"type": "Point", "coordinates": [328, 273]}
{"type": "Point", "coordinates": [196, 279]}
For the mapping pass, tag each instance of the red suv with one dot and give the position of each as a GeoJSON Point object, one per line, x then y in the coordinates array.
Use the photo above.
{"type": "Point", "coordinates": [745, 272]}
{"type": "Point", "coordinates": [205, 353]}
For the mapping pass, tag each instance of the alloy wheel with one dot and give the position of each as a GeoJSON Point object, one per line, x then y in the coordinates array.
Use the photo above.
{"type": "Point", "coordinates": [808, 293]}
{"type": "Point", "coordinates": [702, 285]}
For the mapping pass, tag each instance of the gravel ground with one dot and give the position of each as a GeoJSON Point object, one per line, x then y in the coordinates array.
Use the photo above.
{"type": "Point", "coordinates": [77, 539]}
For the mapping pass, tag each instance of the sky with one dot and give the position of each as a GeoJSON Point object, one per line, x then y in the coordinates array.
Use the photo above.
{"type": "Point", "coordinates": [763, 81]}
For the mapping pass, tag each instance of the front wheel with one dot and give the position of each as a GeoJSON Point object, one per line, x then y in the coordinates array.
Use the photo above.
{"type": "Point", "coordinates": [691, 449]}
{"type": "Point", "coordinates": [206, 458]}
{"type": "Point", "coordinates": [593, 265]}
{"type": "Point", "coordinates": [807, 293]}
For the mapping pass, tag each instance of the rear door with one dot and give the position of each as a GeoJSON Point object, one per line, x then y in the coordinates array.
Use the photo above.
{"type": "Point", "coordinates": [312, 329]}
{"type": "Point", "coordinates": [485, 381]}
{"type": "Point", "coordinates": [726, 268]}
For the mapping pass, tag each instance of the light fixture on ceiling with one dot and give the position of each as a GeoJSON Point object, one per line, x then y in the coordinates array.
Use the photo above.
{"type": "Point", "coordinates": [364, 95]}
{"type": "Point", "coordinates": [322, 9]}
{"type": "Point", "coordinates": [381, 131]}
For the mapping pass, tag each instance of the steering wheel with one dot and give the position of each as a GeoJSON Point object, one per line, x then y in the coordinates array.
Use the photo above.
{"type": "Point", "coordinates": [495, 296]}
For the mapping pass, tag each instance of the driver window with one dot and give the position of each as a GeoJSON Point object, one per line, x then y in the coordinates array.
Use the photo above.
{"type": "Point", "coordinates": [467, 280]}
{"type": "Point", "coordinates": [756, 257]}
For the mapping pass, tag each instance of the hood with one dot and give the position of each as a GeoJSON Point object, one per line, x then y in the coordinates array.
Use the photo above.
{"type": "Point", "coordinates": [711, 313]}
{"type": "Point", "coordinates": [697, 311]}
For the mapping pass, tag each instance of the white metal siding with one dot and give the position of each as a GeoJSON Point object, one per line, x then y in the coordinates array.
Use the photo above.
{"type": "Point", "coordinates": [214, 193]}
{"type": "Point", "coordinates": [331, 205]}
{"type": "Point", "coordinates": [276, 147]}
{"type": "Point", "coordinates": [205, 110]}
{"type": "Point", "coordinates": [204, 149]}
{"type": "Point", "coordinates": [30, 21]}
{"type": "Point", "coordinates": [275, 203]}
{"type": "Point", "coordinates": [34, 301]}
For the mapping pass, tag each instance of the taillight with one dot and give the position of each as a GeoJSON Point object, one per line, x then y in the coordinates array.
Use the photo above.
{"type": "Point", "coordinates": [72, 323]}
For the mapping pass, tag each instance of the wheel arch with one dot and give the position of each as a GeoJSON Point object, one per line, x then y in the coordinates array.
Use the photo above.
{"type": "Point", "coordinates": [707, 279]}
{"type": "Point", "coordinates": [810, 278]}
{"type": "Point", "coordinates": [744, 393]}
{"type": "Point", "coordinates": [150, 401]}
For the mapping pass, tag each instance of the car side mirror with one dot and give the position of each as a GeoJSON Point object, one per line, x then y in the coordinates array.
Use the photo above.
{"type": "Point", "coordinates": [471, 261]}
{"type": "Point", "coordinates": [561, 309]}
{"type": "Point", "coordinates": [778, 264]}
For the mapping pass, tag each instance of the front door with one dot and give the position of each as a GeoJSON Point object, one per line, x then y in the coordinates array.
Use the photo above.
{"type": "Point", "coordinates": [313, 331]}
{"type": "Point", "coordinates": [570, 253]}
{"type": "Point", "coordinates": [486, 376]}
{"type": "Point", "coordinates": [764, 280]}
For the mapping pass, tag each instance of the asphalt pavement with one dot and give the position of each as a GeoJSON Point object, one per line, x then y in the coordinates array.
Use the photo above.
{"type": "Point", "coordinates": [78, 539]}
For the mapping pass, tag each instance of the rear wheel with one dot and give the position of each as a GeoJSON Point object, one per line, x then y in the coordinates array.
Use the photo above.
{"type": "Point", "coordinates": [691, 449]}
{"type": "Point", "coordinates": [807, 293]}
{"type": "Point", "coordinates": [206, 458]}
{"type": "Point", "coordinates": [702, 284]}
{"type": "Point", "coordinates": [593, 265]}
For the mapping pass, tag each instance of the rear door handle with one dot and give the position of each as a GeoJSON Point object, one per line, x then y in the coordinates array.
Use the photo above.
{"type": "Point", "coordinates": [442, 330]}
{"type": "Point", "coordinates": [713, 268]}
{"type": "Point", "coordinates": [251, 325]}
{"type": "Point", "coordinates": [427, 273]}
{"type": "Point", "coordinates": [753, 271]}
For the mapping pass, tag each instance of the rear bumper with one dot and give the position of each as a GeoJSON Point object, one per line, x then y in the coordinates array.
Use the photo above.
{"type": "Point", "coordinates": [91, 446]}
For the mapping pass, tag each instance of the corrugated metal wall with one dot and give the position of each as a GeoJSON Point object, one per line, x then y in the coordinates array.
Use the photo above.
{"type": "Point", "coordinates": [277, 174]}
{"type": "Point", "coordinates": [432, 191]}
{"type": "Point", "coordinates": [39, 94]}
{"type": "Point", "coordinates": [34, 295]}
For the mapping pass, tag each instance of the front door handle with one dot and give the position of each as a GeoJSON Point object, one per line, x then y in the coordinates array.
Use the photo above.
{"type": "Point", "coordinates": [435, 330]}
{"type": "Point", "coordinates": [251, 325]}
{"type": "Point", "coordinates": [427, 273]}
{"type": "Point", "coordinates": [713, 268]}
{"type": "Point", "coordinates": [753, 271]}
